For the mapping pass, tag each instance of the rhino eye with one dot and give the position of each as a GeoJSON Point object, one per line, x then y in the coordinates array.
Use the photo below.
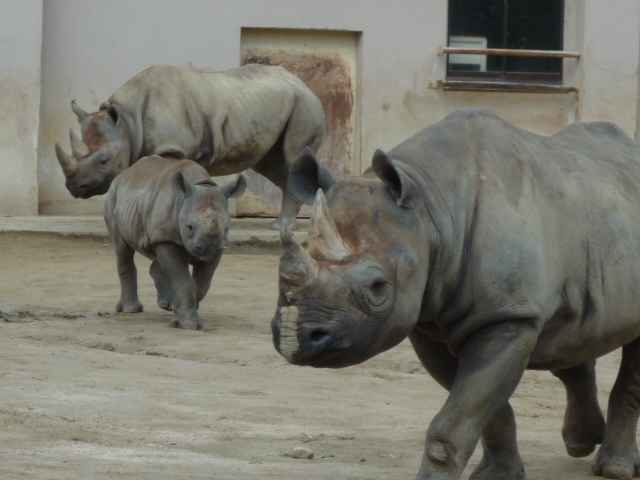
{"type": "Point", "coordinates": [378, 286]}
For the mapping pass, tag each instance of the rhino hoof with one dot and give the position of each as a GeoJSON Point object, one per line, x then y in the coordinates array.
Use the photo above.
{"type": "Point", "coordinates": [621, 467]}
{"type": "Point", "coordinates": [492, 470]}
{"type": "Point", "coordinates": [129, 307]}
{"type": "Point", "coordinates": [580, 450]}
{"type": "Point", "coordinates": [188, 324]}
{"type": "Point", "coordinates": [165, 305]}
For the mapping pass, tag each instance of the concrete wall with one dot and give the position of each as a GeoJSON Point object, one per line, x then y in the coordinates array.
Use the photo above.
{"type": "Point", "coordinates": [20, 46]}
{"type": "Point", "coordinates": [91, 47]}
{"type": "Point", "coordinates": [609, 81]}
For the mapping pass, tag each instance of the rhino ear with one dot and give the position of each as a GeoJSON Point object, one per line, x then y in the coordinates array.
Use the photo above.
{"type": "Point", "coordinates": [306, 176]}
{"type": "Point", "coordinates": [402, 186]}
{"type": "Point", "coordinates": [235, 188]}
{"type": "Point", "coordinates": [111, 110]}
{"type": "Point", "coordinates": [183, 185]}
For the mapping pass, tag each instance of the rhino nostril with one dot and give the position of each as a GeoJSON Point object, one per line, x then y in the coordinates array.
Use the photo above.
{"type": "Point", "coordinates": [320, 335]}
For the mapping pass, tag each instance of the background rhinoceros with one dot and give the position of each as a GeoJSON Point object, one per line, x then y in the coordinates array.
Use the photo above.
{"type": "Point", "coordinates": [494, 250]}
{"type": "Point", "coordinates": [255, 116]}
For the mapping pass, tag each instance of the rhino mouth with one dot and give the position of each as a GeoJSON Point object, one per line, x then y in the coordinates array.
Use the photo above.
{"type": "Point", "coordinates": [310, 343]}
{"type": "Point", "coordinates": [85, 191]}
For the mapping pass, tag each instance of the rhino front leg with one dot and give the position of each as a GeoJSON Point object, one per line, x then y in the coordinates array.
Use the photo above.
{"type": "Point", "coordinates": [618, 456]}
{"type": "Point", "coordinates": [129, 302]}
{"type": "Point", "coordinates": [584, 426]}
{"type": "Point", "coordinates": [163, 286]}
{"type": "Point", "coordinates": [175, 266]}
{"type": "Point", "coordinates": [501, 459]}
{"type": "Point", "coordinates": [202, 275]}
{"type": "Point", "coordinates": [490, 365]}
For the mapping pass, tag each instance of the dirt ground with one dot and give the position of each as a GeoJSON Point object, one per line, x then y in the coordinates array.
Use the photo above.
{"type": "Point", "coordinates": [87, 394]}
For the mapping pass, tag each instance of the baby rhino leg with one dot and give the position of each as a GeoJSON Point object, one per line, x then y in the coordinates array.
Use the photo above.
{"type": "Point", "coordinates": [202, 275]}
{"type": "Point", "coordinates": [174, 263]}
{"type": "Point", "coordinates": [128, 275]}
{"type": "Point", "coordinates": [163, 287]}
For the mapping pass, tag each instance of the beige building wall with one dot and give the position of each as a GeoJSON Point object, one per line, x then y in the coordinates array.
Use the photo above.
{"type": "Point", "coordinates": [20, 46]}
{"type": "Point", "coordinates": [91, 47]}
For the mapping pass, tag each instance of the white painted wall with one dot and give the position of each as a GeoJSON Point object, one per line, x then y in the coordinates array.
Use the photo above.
{"type": "Point", "coordinates": [609, 80]}
{"type": "Point", "coordinates": [20, 46]}
{"type": "Point", "coordinates": [91, 47]}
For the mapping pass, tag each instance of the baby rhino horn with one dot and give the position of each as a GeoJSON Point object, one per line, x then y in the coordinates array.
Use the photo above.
{"type": "Point", "coordinates": [324, 227]}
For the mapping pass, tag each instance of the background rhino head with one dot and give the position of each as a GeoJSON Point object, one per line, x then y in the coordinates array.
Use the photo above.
{"type": "Point", "coordinates": [357, 288]}
{"type": "Point", "coordinates": [102, 153]}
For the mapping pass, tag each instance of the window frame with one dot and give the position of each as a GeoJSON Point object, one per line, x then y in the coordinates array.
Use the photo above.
{"type": "Point", "coordinates": [544, 78]}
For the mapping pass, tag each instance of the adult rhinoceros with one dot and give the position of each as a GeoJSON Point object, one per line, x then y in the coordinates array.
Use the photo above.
{"type": "Point", "coordinates": [255, 116]}
{"type": "Point", "coordinates": [494, 250]}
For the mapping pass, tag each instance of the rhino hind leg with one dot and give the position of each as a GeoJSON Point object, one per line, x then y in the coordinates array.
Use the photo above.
{"type": "Point", "coordinates": [584, 425]}
{"type": "Point", "coordinates": [618, 456]}
{"type": "Point", "coordinates": [129, 302]}
{"type": "Point", "coordinates": [163, 286]}
{"type": "Point", "coordinates": [302, 130]}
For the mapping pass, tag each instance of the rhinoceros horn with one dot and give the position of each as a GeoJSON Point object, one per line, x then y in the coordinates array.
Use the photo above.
{"type": "Point", "coordinates": [296, 265]}
{"type": "Point", "coordinates": [78, 148]}
{"type": "Point", "coordinates": [323, 228]}
{"type": "Point", "coordinates": [67, 162]}
{"type": "Point", "coordinates": [80, 113]}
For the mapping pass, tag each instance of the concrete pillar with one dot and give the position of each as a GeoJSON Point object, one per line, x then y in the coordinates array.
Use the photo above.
{"type": "Point", "coordinates": [20, 50]}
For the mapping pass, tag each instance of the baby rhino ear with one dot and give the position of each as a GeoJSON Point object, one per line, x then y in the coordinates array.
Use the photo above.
{"type": "Point", "coordinates": [183, 185]}
{"type": "Point", "coordinates": [234, 188]}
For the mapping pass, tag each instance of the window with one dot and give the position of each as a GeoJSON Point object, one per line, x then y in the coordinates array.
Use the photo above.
{"type": "Point", "coordinates": [510, 24]}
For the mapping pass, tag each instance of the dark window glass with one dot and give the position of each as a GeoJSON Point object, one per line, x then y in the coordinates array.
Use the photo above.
{"type": "Point", "coordinates": [521, 24]}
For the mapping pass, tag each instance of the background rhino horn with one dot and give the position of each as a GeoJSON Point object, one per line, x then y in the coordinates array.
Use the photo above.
{"type": "Point", "coordinates": [78, 148]}
{"type": "Point", "coordinates": [67, 162]}
{"type": "Point", "coordinates": [323, 227]}
{"type": "Point", "coordinates": [80, 113]}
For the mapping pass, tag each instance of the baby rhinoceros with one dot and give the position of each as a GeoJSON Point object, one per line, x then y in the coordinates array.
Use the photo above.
{"type": "Point", "coordinates": [173, 213]}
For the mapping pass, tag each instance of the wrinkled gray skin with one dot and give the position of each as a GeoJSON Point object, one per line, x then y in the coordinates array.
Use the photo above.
{"type": "Point", "coordinates": [171, 212]}
{"type": "Point", "coordinates": [255, 116]}
{"type": "Point", "coordinates": [494, 250]}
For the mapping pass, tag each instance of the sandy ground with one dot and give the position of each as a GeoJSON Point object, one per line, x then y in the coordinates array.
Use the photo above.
{"type": "Point", "coordinates": [86, 394]}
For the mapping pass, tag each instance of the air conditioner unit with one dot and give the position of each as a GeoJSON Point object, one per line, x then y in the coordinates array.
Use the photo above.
{"type": "Point", "coordinates": [468, 62]}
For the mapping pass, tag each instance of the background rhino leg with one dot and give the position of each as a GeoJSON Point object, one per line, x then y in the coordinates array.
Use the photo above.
{"type": "Point", "coordinates": [202, 275]}
{"type": "Point", "coordinates": [163, 287]}
{"type": "Point", "coordinates": [501, 459]}
{"type": "Point", "coordinates": [174, 263]}
{"type": "Point", "coordinates": [300, 133]}
{"type": "Point", "coordinates": [618, 456]}
{"type": "Point", "coordinates": [128, 274]}
{"type": "Point", "coordinates": [584, 425]}
{"type": "Point", "coordinates": [273, 167]}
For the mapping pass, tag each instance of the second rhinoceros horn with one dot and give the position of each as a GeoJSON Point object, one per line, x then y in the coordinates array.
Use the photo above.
{"type": "Point", "coordinates": [78, 147]}
{"type": "Point", "coordinates": [67, 162]}
{"type": "Point", "coordinates": [323, 228]}
{"type": "Point", "coordinates": [80, 113]}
